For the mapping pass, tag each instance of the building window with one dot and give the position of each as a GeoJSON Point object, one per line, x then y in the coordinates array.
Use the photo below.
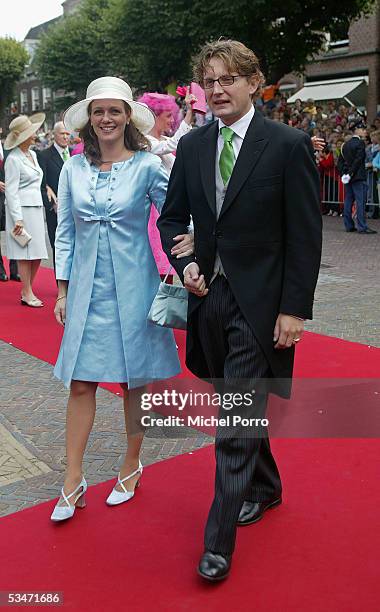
{"type": "Point", "coordinates": [24, 101]}
{"type": "Point", "coordinates": [46, 97]}
{"type": "Point", "coordinates": [35, 99]}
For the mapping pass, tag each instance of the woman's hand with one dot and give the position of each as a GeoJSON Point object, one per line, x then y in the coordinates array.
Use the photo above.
{"type": "Point", "coordinates": [60, 309]}
{"type": "Point", "coordinates": [184, 246]}
{"type": "Point", "coordinates": [189, 99]}
{"type": "Point", "coordinates": [17, 230]}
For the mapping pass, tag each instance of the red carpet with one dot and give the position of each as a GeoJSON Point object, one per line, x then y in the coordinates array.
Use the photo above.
{"type": "Point", "coordinates": [317, 552]}
{"type": "Point", "coordinates": [35, 331]}
{"type": "Point", "coordinates": [338, 365]}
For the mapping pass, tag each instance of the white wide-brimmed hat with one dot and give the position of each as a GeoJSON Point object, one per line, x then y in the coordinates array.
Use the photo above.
{"type": "Point", "coordinates": [22, 128]}
{"type": "Point", "coordinates": [112, 88]}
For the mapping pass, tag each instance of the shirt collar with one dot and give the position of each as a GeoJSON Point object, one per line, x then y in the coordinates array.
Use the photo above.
{"type": "Point", "coordinates": [60, 149]}
{"type": "Point", "coordinates": [241, 126]}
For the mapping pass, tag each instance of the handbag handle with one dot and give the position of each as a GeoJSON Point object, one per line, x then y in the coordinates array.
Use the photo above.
{"type": "Point", "coordinates": [167, 274]}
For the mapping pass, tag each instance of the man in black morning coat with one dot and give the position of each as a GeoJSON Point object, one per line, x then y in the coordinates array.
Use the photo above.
{"type": "Point", "coordinates": [251, 187]}
{"type": "Point", "coordinates": [51, 161]}
{"type": "Point", "coordinates": [352, 163]}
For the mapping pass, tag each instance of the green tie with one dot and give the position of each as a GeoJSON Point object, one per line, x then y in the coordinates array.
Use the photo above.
{"type": "Point", "coordinates": [227, 156]}
{"type": "Point", "coordinates": [65, 155]}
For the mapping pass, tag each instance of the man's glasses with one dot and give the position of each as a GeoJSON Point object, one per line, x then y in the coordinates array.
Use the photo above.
{"type": "Point", "coordinates": [224, 81]}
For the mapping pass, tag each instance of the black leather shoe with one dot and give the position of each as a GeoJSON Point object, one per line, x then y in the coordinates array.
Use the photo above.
{"type": "Point", "coordinates": [214, 566]}
{"type": "Point", "coordinates": [251, 512]}
{"type": "Point", "coordinates": [352, 229]}
{"type": "Point", "coordinates": [368, 231]}
{"type": "Point", "coordinates": [3, 277]}
{"type": "Point", "coordinates": [15, 277]}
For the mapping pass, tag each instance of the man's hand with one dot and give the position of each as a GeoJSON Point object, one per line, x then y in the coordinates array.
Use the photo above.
{"type": "Point", "coordinates": [52, 197]}
{"type": "Point", "coordinates": [287, 331]}
{"type": "Point", "coordinates": [2, 186]}
{"type": "Point", "coordinates": [318, 143]}
{"type": "Point", "coordinates": [184, 247]}
{"type": "Point", "coordinates": [195, 282]}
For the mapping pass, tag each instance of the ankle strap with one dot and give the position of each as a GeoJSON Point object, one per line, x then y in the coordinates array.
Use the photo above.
{"type": "Point", "coordinates": [66, 499]}
{"type": "Point", "coordinates": [138, 471]}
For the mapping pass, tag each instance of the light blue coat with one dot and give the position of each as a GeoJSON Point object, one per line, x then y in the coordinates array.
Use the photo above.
{"type": "Point", "coordinates": [150, 351]}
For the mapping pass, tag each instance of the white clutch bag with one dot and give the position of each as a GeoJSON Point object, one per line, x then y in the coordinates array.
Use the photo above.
{"type": "Point", "coordinates": [22, 239]}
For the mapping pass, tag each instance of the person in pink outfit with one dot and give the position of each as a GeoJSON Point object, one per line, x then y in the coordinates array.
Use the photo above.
{"type": "Point", "coordinates": [166, 110]}
{"type": "Point", "coordinates": [78, 149]}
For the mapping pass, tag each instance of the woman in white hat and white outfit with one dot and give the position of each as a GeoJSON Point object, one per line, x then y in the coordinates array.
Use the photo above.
{"type": "Point", "coordinates": [107, 276]}
{"type": "Point", "coordinates": [23, 203]}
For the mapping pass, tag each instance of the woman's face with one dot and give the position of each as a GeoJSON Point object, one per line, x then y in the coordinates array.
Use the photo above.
{"type": "Point", "coordinates": [108, 119]}
{"type": "Point", "coordinates": [164, 122]}
{"type": "Point", "coordinates": [29, 141]}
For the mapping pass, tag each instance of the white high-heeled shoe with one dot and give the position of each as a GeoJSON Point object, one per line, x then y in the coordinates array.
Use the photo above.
{"type": "Point", "coordinates": [64, 512]}
{"type": "Point", "coordinates": [118, 497]}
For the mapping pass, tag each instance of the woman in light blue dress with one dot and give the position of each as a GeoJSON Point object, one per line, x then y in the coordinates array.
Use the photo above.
{"type": "Point", "coordinates": [107, 276]}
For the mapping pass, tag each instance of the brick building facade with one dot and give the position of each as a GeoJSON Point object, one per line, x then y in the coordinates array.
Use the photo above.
{"type": "Point", "coordinates": [356, 56]}
{"type": "Point", "coordinates": [360, 57]}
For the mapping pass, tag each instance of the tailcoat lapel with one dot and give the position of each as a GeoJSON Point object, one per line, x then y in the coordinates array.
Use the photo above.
{"type": "Point", "coordinates": [57, 159]}
{"type": "Point", "coordinates": [252, 148]}
{"type": "Point", "coordinates": [207, 155]}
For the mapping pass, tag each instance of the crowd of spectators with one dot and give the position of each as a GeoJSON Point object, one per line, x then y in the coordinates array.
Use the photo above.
{"type": "Point", "coordinates": [333, 123]}
{"type": "Point", "coordinates": [330, 121]}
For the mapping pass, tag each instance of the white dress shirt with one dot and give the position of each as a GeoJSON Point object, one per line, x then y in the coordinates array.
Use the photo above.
{"type": "Point", "coordinates": [240, 128]}
{"type": "Point", "coordinates": [61, 150]}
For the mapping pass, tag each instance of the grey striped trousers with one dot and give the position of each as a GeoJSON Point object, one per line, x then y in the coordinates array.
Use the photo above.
{"type": "Point", "coordinates": [245, 467]}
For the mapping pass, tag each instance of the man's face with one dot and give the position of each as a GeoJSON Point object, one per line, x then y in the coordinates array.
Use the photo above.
{"type": "Point", "coordinates": [230, 102]}
{"type": "Point", "coordinates": [362, 132]}
{"type": "Point", "coordinates": [61, 137]}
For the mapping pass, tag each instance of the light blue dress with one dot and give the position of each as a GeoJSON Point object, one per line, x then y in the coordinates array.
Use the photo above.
{"type": "Point", "coordinates": [103, 251]}
{"type": "Point", "coordinates": [102, 332]}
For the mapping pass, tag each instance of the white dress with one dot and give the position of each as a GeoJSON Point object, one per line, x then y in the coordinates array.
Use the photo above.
{"type": "Point", "coordinates": [23, 201]}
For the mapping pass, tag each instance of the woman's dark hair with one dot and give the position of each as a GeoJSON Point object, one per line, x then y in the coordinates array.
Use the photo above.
{"type": "Point", "coordinates": [134, 140]}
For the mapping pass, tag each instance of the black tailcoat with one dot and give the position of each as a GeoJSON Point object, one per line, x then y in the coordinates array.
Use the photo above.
{"type": "Point", "coordinates": [51, 163]}
{"type": "Point", "coordinates": [268, 233]}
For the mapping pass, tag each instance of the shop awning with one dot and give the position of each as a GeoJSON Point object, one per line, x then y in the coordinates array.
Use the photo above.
{"type": "Point", "coordinates": [329, 90]}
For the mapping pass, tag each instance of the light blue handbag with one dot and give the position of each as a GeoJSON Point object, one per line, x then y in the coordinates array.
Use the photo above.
{"type": "Point", "coordinates": [169, 307]}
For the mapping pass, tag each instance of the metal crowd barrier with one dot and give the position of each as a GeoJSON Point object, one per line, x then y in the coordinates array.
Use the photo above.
{"type": "Point", "coordinates": [332, 190]}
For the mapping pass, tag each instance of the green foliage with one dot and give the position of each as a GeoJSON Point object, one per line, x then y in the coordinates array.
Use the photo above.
{"type": "Point", "coordinates": [151, 41]}
{"type": "Point", "coordinates": [150, 44]}
{"type": "Point", "coordinates": [13, 59]}
{"type": "Point", "coordinates": [73, 52]}
{"type": "Point", "coordinates": [284, 35]}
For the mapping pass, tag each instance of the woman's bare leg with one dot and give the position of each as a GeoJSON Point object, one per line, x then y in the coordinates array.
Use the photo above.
{"type": "Point", "coordinates": [135, 435]}
{"type": "Point", "coordinates": [35, 265]}
{"type": "Point", "coordinates": [25, 272]}
{"type": "Point", "coordinates": [79, 421]}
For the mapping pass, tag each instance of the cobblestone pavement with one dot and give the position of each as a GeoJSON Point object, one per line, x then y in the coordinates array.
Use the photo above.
{"type": "Point", "coordinates": [32, 402]}
{"type": "Point", "coordinates": [348, 293]}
